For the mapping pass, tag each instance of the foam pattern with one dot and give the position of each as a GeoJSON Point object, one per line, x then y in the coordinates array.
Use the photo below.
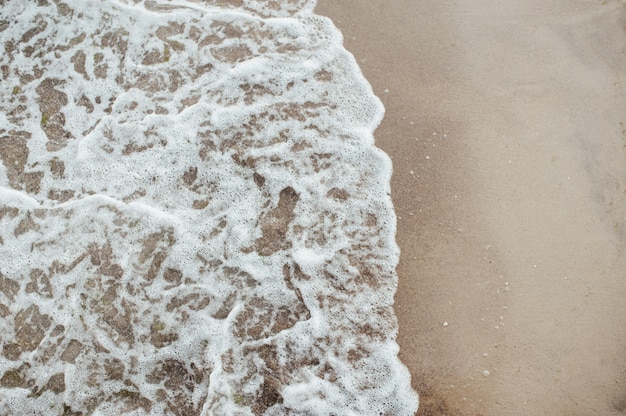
{"type": "Point", "coordinates": [194, 219]}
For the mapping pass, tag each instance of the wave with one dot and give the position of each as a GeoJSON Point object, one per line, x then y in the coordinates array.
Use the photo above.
{"type": "Point", "coordinates": [194, 218]}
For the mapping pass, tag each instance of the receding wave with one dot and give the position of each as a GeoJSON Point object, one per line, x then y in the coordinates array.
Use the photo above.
{"type": "Point", "coordinates": [193, 216]}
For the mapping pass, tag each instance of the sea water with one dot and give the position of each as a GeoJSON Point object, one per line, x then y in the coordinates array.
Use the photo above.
{"type": "Point", "coordinates": [194, 218]}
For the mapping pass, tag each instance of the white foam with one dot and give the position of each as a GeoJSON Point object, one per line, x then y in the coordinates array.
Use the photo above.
{"type": "Point", "coordinates": [194, 217]}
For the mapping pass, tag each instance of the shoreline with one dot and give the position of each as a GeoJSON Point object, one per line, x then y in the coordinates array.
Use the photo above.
{"type": "Point", "coordinates": [506, 130]}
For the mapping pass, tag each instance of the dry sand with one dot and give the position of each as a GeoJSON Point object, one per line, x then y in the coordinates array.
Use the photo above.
{"type": "Point", "coordinates": [506, 122]}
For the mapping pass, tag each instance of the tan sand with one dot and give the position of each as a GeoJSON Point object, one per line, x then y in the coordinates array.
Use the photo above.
{"type": "Point", "coordinates": [506, 122]}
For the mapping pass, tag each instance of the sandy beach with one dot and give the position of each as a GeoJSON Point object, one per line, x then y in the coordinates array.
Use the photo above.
{"type": "Point", "coordinates": [506, 124]}
{"type": "Point", "coordinates": [193, 219]}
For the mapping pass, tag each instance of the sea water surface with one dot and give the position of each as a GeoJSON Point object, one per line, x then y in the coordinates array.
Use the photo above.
{"type": "Point", "coordinates": [194, 218]}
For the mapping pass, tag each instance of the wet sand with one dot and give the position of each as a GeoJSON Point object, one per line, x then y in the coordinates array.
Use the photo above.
{"type": "Point", "coordinates": [506, 124]}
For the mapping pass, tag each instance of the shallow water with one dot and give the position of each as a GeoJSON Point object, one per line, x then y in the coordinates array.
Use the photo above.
{"type": "Point", "coordinates": [193, 217]}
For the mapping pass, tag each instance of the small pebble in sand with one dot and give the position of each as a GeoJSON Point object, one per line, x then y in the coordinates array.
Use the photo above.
{"type": "Point", "coordinates": [486, 373]}
{"type": "Point", "coordinates": [445, 324]}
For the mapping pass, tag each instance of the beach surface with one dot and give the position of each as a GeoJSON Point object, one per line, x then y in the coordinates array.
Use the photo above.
{"type": "Point", "coordinates": [506, 124]}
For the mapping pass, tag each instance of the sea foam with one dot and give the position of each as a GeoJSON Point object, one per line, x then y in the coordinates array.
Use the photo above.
{"type": "Point", "coordinates": [193, 216]}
